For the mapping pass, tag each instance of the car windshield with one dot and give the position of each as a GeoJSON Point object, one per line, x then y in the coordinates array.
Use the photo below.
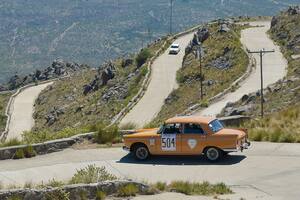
{"type": "Point", "coordinates": [174, 46]}
{"type": "Point", "coordinates": [215, 125]}
{"type": "Point", "coordinates": [161, 128]}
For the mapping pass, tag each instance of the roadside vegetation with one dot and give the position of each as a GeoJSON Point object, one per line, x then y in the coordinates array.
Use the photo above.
{"type": "Point", "coordinates": [281, 106]}
{"type": "Point", "coordinates": [95, 174]}
{"type": "Point", "coordinates": [4, 98]}
{"type": "Point", "coordinates": [223, 61]}
{"type": "Point", "coordinates": [281, 126]}
{"type": "Point", "coordinates": [103, 135]}
{"type": "Point", "coordinates": [193, 188]}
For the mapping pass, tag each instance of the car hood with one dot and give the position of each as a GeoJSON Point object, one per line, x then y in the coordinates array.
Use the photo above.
{"type": "Point", "coordinates": [231, 132]}
{"type": "Point", "coordinates": [143, 133]}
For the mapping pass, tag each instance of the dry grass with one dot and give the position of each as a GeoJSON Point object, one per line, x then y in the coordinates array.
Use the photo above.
{"type": "Point", "coordinates": [193, 188]}
{"type": "Point", "coordinates": [283, 126]}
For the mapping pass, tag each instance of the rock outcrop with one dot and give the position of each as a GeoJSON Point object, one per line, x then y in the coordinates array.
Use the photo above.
{"type": "Point", "coordinates": [200, 36]}
{"type": "Point", "coordinates": [105, 73]}
{"type": "Point", "coordinates": [58, 68]}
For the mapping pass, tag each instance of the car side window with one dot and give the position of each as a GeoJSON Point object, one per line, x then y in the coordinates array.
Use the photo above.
{"type": "Point", "coordinates": [171, 129]}
{"type": "Point", "coordinates": [192, 128]}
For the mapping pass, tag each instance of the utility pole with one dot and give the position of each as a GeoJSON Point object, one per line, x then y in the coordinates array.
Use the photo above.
{"type": "Point", "coordinates": [261, 53]}
{"type": "Point", "coordinates": [199, 56]}
{"type": "Point", "coordinates": [171, 15]}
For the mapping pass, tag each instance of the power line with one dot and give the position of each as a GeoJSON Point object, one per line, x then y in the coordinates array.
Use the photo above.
{"type": "Point", "coordinates": [261, 53]}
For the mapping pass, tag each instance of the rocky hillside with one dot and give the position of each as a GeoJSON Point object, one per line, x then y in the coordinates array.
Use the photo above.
{"type": "Point", "coordinates": [282, 99]}
{"type": "Point", "coordinates": [223, 61]}
{"type": "Point", "coordinates": [58, 68]}
{"type": "Point", "coordinates": [92, 95]}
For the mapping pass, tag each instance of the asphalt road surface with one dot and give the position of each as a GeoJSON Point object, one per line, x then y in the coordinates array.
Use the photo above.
{"type": "Point", "coordinates": [266, 170]}
{"type": "Point", "coordinates": [162, 83]}
{"type": "Point", "coordinates": [274, 66]}
{"type": "Point", "coordinates": [22, 110]}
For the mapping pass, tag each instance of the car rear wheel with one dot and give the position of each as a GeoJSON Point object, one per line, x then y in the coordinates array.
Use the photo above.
{"type": "Point", "coordinates": [141, 152]}
{"type": "Point", "coordinates": [212, 154]}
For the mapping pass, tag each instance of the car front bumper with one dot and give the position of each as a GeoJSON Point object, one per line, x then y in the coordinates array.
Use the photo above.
{"type": "Point", "coordinates": [241, 147]}
{"type": "Point", "coordinates": [245, 145]}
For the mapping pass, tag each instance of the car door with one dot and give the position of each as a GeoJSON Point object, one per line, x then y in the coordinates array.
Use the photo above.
{"type": "Point", "coordinates": [170, 140]}
{"type": "Point", "coordinates": [193, 139]}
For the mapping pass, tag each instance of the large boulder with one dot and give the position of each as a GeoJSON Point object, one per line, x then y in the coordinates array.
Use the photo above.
{"type": "Point", "coordinates": [274, 21]}
{"type": "Point", "coordinates": [105, 73]}
{"type": "Point", "coordinates": [126, 62]}
{"type": "Point", "coordinates": [200, 36]}
{"type": "Point", "coordinates": [221, 63]}
{"type": "Point", "coordinates": [293, 10]}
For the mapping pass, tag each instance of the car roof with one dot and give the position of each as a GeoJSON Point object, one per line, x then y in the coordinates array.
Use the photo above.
{"type": "Point", "coordinates": [190, 119]}
{"type": "Point", "coordinates": [174, 44]}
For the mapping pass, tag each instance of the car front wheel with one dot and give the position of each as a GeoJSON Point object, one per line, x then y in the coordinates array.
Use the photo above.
{"type": "Point", "coordinates": [213, 154]}
{"type": "Point", "coordinates": [141, 152]}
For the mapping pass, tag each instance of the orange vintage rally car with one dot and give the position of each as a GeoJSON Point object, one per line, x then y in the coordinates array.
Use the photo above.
{"type": "Point", "coordinates": [186, 135]}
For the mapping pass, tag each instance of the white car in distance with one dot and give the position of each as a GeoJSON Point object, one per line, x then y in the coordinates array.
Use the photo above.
{"type": "Point", "coordinates": [174, 49]}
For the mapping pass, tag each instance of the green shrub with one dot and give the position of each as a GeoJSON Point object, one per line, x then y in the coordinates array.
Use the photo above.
{"type": "Point", "coordinates": [92, 174]}
{"type": "Point", "coordinates": [105, 134]}
{"type": "Point", "coordinates": [83, 195]}
{"type": "Point", "coordinates": [162, 186]}
{"type": "Point", "coordinates": [204, 104]}
{"type": "Point", "coordinates": [275, 135]}
{"type": "Point", "coordinates": [59, 194]}
{"type": "Point", "coordinates": [142, 57]}
{"type": "Point", "coordinates": [204, 188]}
{"type": "Point", "coordinates": [100, 195]}
{"type": "Point", "coordinates": [14, 197]}
{"type": "Point", "coordinates": [289, 138]}
{"type": "Point", "coordinates": [181, 187]}
{"type": "Point", "coordinates": [31, 137]}
{"type": "Point", "coordinates": [28, 185]}
{"type": "Point", "coordinates": [19, 154]}
{"type": "Point", "coordinates": [29, 152]}
{"type": "Point", "coordinates": [11, 142]}
{"type": "Point", "coordinates": [128, 190]}
{"type": "Point", "coordinates": [55, 183]}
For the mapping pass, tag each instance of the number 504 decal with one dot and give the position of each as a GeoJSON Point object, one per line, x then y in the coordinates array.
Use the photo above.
{"type": "Point", "coordinates": [168, 142]}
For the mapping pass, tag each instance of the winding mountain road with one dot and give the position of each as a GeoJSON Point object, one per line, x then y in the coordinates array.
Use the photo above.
{"type": "Point", "coordinates": [265, 171]}
{"type": "Point", "coordinates": [22, 109]}
{"type": "Point", "coordinates": [274, 66]}
{"type": "Point", "coordinates": [162, 83]}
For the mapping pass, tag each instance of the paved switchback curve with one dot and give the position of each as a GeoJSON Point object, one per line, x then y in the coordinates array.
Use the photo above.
{"type": "Point", "coordinates": [274, 66]}
{"type": "Point", "coordinates": [265, 171]}
{"type": "Point", "coordinates": [162, 82]}
{"type": "Point", "coordinates": [21, 110]}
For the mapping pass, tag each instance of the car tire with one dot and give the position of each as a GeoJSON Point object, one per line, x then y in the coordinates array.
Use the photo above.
{"type": "Point", "coordinates": [141, 152]}
{"type": "Point", "coordinates": [213, 154]}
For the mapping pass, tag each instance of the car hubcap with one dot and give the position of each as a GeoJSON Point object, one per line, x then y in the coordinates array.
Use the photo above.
{"type": "Point", "coordinates": [141, 153]}
{"type": "Point", "coordinates": [212, 154]}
